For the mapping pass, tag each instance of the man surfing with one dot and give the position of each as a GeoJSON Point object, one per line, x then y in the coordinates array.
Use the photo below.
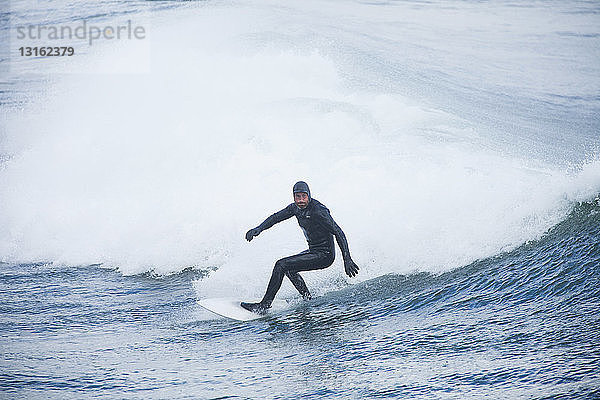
{"type": "Point", "coordinates": [319, 229]}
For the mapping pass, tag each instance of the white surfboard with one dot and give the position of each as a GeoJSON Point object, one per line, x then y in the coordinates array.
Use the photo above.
{"type": "Point", "coordinates": [231, 308]}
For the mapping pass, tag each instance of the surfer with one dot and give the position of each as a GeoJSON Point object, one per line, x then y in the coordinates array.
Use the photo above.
{"type": "Point", "coordinates": [319, 229]}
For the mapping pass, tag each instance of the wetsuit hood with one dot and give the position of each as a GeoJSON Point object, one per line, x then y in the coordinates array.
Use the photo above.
{"type": "Point", "coordinates": [302, 187]}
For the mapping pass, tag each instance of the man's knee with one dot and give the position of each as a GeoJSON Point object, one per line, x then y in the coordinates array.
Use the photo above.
{"type": "Point", "coordinates": [281, 266]}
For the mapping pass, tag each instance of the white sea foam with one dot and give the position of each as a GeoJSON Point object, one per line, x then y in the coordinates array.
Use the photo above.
{"type": "Point", "coordinates": [167, 169]}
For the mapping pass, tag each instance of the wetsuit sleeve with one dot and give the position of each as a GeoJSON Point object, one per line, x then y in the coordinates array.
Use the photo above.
{"type": "Point", "coordinates": [279, 216]}
{"type": "Point", "coordinates": [333, 228]}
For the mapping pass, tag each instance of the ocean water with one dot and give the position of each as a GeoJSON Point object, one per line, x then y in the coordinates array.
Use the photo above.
{"type": "Point", "coordinates": [455, 142]}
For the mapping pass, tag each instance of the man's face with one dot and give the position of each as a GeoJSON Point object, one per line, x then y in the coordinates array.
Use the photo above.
{"type": "Point", "coordinates": [301, 199]}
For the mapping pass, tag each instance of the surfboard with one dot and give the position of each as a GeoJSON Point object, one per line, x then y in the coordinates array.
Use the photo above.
{"type": "Point", "coordinates": [231, 308]}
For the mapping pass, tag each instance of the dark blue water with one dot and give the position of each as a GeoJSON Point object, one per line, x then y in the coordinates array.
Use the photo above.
{"type": "Point", "coordinates": [523, 324]}
{"type": "Point", "coordinates": [455, 142]}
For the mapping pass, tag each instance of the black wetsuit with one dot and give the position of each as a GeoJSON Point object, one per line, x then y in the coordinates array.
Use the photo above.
{"type": "Point", "coordinates": [319, 229]}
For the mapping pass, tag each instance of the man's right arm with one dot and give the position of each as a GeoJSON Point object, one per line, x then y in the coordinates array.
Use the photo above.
{"type": "Point", "coordinates": [279, 216]}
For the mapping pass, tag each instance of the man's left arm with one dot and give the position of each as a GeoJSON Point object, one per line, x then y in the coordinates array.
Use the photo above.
{"type": "Point", "coordinates": [349, 265]}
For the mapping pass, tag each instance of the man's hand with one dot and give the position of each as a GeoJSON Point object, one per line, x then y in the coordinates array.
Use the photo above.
{"type": "Point", "coordinates": [350, 267]}
{"type": "Point", "coordinates": [251, 233]}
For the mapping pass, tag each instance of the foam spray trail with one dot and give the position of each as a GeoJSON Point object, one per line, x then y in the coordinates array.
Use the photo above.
{"type": "Point", "coordinates": [166, 170]}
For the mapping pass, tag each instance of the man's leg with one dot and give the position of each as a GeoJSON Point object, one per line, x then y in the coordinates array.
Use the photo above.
{"type": "Point", "coordinates": [305, 261]}
{"type": "Point", "coordinates": [290, 266]}
{"type": "Point", "coordinates": [298, 283]}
